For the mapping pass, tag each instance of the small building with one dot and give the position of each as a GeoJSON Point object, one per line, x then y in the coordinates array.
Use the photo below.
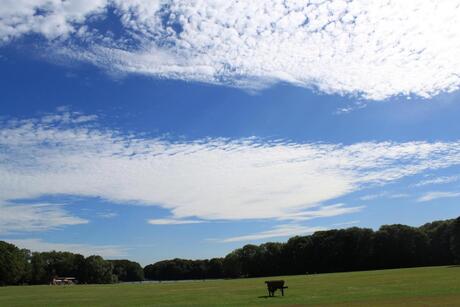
{"type": "Point", "coordinates": [57, 281]}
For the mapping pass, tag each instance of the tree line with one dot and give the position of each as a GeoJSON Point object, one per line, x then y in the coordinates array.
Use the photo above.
{"type": "Point", "coordinates": [338, 250]}
{"type": "Point", "coordinates": [20, 266]}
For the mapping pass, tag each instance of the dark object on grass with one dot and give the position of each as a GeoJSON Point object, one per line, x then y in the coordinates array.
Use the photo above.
{"type": "Point", "coordinates": [273, 285]}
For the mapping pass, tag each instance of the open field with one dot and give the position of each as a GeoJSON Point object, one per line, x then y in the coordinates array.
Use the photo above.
{"type": "Point", "coordinates": [431, 286]}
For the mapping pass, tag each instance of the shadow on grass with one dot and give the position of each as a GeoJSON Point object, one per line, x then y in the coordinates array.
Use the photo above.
{"type": "Point", "coordinates": [267, 296]}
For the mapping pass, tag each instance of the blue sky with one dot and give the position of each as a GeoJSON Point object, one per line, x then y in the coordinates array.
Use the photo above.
{"type": "Point", "coordinates": [131, 131]}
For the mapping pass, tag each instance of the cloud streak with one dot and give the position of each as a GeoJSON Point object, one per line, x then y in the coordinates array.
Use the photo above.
{"type": "Point", "coordinates": [371, 49]}
{"type": "Point", "coordinates": [172, 222]}
{"type": "Point", "coordinates": [321, 212]}
{"type": "Point", "coordinates": [437, 180]}
{"type": "Point", "coordinates": [437, 195]}
{"type": "Point", "coordinates": [36, 217]}
{"type": "Point", "coordinates": [208, 179]}
{"type": "Point", "coordinates": [384, 195]}
{"type": "Point", "coordinates": [279, 231]}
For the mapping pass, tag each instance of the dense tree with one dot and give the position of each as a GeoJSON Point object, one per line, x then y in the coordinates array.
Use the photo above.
{"type": "Point", "coordinates": [358, 248]}
{"type": "Point", "coordinates": [14, 264]}
{"type": "Point", "coordinates": [400, 246]}
{"type": "Point", "coordinates": [174, 269]}
{"type": "Point", "coordinates": [46, 265]}
{"type": "Point", "coordinates": [455, 239]}
{"type": "Point", "coordinates": [270, 259]}
{"type": "Point", "coordinates": [232, 265]}
{"type": "Point", "coordinates": [296, 256]}
{"type": "Point", "coordinates": [150, 272]}
{"type": "Point", "coordinates": [340, 250]}
{"type": "Point", "coordinates": [351, 249]}
{"type": "Point", "coordinates": [392, 246]}
{"type": "Point", "coordinates": [97, 271]}
{"type": "Point", "coordinates": [126, 270]}
{"type": "Point", "coordinates": [249, 257]}
{"type": "Point", "coordinates": [38, 272]}
{"type": "Point", "coordinates": [439, 236]}
{"type": "Point", "coordinates": [215, 268]}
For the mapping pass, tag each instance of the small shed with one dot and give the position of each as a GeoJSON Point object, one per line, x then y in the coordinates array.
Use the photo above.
{"type": "Point", "coordinates": [57, 281]}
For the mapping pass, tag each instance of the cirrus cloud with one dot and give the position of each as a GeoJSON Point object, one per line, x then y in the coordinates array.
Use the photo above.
{"type": "Point", "coordinates": [278, 231]}
{"type": "Point", "coordinates": [206, 179]}
{"type": "Point", "coordinates": [34, 217]}
{"type": "Point", "coordinates": [374, 49]}
{"type": "Point", "coordinates": [429, 196]}
{"type": "Point", "coordinates": [172, 222]}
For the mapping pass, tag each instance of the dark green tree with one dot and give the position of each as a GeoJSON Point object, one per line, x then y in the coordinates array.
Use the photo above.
{"type": "Point", "coordinates": [14, 264]}
{"type": "Point", "coordinates": [400, 246]}
{"type": "Point", "coordinates": [455, 239]}
{"type": "Point", "coordinates": [232, 265]}
{"type": "Point", "coordinates": [439, 237]}
{"type": "Point", "coordinates": [98, 271]}
{"type": "Point", "coordinates": [126, 270]}
{"type": "Point", "coordinates": [271, 259]}
{"type": "Point", "coordinates": [297, 256]}
{"type": "Point", "coordinates": [38, 272]}
{"type": "Point", "coordinates": [215, 268]}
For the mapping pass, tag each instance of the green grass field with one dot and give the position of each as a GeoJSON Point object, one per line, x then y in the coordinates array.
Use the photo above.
{"type": "Point", "coordinates": [432, 286]}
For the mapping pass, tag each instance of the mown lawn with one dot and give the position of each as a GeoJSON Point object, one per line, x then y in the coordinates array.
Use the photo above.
{"type": "Point", "coordinates": [431, 286]}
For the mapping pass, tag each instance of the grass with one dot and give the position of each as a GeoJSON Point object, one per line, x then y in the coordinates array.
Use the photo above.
{"type": "Point", "coordinates": [430, 286]}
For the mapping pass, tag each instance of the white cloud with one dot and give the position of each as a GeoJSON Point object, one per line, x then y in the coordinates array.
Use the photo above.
{"type": "Point", "coordinates": [205, 179]}
{"type": "Point", "coordinates": [38, 245]}
{"type": "Point", "coordinates": [384, 194]}
{"type": "Point", "coordinates": [287, 230]}
{"type": "Point", "coordinates": [438, 180]}
{"type": "Point", "coordinates": [436, 195]}
{"type": "Point", "coordinates": [322, 211]}
{"type": "Point", "coordinates": [375, 49]}
{"type": "Point", "coordinates": [373, 196]}
{"type": "Point", "coordinates": [36, 217]}
{"type": "Point", "coordinates": [172, 222]}
{"type": "Point", "coordinates": [108, 215]}
{"type": "Point", "coordinates": [68, 118]}
{"type": "Point", "coordinates": [51, 18]}
{"type": "Point", "coordinates": [279, 231]}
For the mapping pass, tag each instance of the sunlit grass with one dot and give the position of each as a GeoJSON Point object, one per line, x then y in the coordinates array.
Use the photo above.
{"type": "Point", "coordinates": [432, 286]}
